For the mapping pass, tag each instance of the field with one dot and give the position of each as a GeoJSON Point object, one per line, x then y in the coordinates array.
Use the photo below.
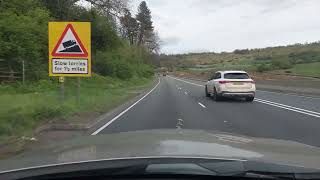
{"type": "Point", "coordinates": [310, 69]}
{"type": "Point", "coordinates": [23, 108]}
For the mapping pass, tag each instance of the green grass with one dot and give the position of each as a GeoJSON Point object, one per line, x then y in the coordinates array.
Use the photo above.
{"type": "Point", "coordinates": [310, 69]}
{"type": "Point", "coordinates": [234, 65]}
{"type": "Point", "coordinates": [23, 108]}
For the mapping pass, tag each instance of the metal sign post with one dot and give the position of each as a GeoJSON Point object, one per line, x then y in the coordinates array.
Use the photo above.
{"type": "Point", "coordinates": [61, 81]}
{"type": "Point", "coordinates": [78, 90]}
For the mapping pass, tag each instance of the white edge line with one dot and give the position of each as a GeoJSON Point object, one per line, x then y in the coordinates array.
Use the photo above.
{"type": "Point", "coordinates": [122, 158]}
{"type": "Point", "coordinates": [308, 111]}
{"type": "Point", "coordinates": [290, 94]}
{"type": "Point", "coordinates": [264, 101]}
{"type": "Point", "coordinates": [287, 108]}
{"type": "Point", "coordinates": [120, 114]}
{"type": "Point", "coordinates": [202, 105]}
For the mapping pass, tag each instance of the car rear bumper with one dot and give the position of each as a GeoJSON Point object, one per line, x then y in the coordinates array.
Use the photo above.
{"type": "Point", "coordinates": [238, 94]}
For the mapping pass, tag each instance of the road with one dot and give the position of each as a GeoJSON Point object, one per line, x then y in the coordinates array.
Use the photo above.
{"type": "Point", "coordinates": [181, 103]}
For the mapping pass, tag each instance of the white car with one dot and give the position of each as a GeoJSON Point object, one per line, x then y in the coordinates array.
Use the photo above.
{"type": "Point", "coordinates": [230, 84]}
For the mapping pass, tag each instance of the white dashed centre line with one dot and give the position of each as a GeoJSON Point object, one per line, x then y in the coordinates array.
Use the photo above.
{"type": "Point", "coordinates": [202, 105]}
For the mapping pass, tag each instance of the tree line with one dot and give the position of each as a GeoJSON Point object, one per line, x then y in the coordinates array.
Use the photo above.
{"type": "Point", "coordinates": [122, 45]}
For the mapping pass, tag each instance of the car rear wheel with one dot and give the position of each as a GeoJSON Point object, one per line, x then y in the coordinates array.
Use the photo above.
{"type": "Point", "coordinates": [206, 91]}
{"type": "Point", "coordinates": [249, 99]}
{"type": "Point", "coordinates": [216, 96]}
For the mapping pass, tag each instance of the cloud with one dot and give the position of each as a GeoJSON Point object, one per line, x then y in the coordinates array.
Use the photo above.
{"type": "Point", "coordinates": [170, 41]}
{"type": "Point", "coordinates": [225, 25]}
{"type": "Point", "coordinates": [271, 6]}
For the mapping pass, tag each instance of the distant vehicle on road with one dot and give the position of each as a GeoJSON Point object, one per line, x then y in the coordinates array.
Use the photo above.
{"type": "Point", "coordinates": [230, 84]}
{"type": "Point", "coordinates": [164, 74]}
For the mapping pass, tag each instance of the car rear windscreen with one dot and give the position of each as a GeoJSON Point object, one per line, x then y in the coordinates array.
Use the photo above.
{"type": "Point", "coordinates": [236, 76]}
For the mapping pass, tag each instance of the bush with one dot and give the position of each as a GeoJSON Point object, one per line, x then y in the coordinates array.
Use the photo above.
{"type": "Point", "coordinates": [123, 63]}
{"type": "Point", "coordinates": [304, 57]}
{"type": "Point", "coordinates": [123, 70]}
{"type": "Point", "coordinates": [23, 36]}
{"type": "Point", "coordinates": [281, 62]}
{"type": "Point", "coordinates": [262, 58]}
{"type": "Point", "coordinates": [241, 51]}
{"type": "Point", "coordinates": [263, 67]}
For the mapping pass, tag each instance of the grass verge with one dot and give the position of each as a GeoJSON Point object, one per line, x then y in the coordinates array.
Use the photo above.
{"type": "Point", "coordinates": [310, 69]}
{"type": "Point", "coordinates": [24, 107]}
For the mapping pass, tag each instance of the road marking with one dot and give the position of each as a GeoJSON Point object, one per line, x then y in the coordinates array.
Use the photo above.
{"type": "Point", "coordinates": [180, 120]}
{"type": "Point", "coordinates": [119, 115]}
{"type": "Point", "coordinates": [179, 124]}
{"type": "Point", "coordinates": [283, 106]}
{"type": "Point", "coordinates": [186, 81]}
{"type": "Point", "coordinates": [308, 111]}
{"type": "Point", "coordinates": [202, 105]}
{"type": "Point", "coordinates": [186, 93]}
{"type": "Point", "coordinates": [233, 138]}
{"type": "Point", "coordinates": [287, 108]}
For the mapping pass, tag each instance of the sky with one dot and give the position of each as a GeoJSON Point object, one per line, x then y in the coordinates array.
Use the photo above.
{"type": "Point", "coordinates": [225, 25]}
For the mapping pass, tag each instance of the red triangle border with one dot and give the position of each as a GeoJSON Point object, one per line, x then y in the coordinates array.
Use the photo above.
{"type": "Point", "coordinates": [54, 52]}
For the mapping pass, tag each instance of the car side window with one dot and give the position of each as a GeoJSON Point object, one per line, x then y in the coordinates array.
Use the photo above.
{"type": "Point", "coordinates": [217, 76]}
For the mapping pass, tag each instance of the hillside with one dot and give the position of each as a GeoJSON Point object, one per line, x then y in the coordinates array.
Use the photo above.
{"type": "Point", "coordinates": [282, 59]}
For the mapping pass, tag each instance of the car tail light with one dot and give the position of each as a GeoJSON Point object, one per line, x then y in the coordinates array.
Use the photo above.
{"type": "Point", "coordinates": [223, 82]}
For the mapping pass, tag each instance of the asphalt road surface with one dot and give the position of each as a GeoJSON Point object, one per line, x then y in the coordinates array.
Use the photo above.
{"type": "Point", "coordinates": [181, 103]}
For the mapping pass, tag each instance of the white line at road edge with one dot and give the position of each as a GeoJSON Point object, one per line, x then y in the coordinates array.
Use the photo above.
{"type": "Point", "coordinates": [119, 115]}
{"type": "Point", "coordinates": [283, 106]}
{"type": "Point", "coordinates": [292, 107]}
{"type": "Point", "coordinates": [290, 94]}
{"type": "Point", "coordinates": [202, 105]}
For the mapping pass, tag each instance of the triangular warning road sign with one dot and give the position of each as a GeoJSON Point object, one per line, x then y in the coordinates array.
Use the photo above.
{"type": "Point", "coordinates": [69, 44]}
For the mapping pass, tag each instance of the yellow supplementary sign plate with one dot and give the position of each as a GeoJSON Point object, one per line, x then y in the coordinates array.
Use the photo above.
{"type": "Point", "coordinates": [70, 49]}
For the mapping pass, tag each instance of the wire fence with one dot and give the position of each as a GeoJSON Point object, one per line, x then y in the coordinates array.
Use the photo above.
{"type": "Point", "coordinates": [8, 75]}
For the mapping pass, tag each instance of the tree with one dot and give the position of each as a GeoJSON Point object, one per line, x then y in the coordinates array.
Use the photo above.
{"type": "Point", "coordinates": [129, 27]}
{"type": "Point", "coordinates": [23, 36]}
{"type": "Point", "coordinates": [110, 8]}
{"type": "Point", "coordinates": [153, 42]}
{"type": "Point", "coordinates": [61, 9]}
{"type": "Point", "coordinates": [145, 23]}
{"type": "Point", "coordinates": [146, 35]}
